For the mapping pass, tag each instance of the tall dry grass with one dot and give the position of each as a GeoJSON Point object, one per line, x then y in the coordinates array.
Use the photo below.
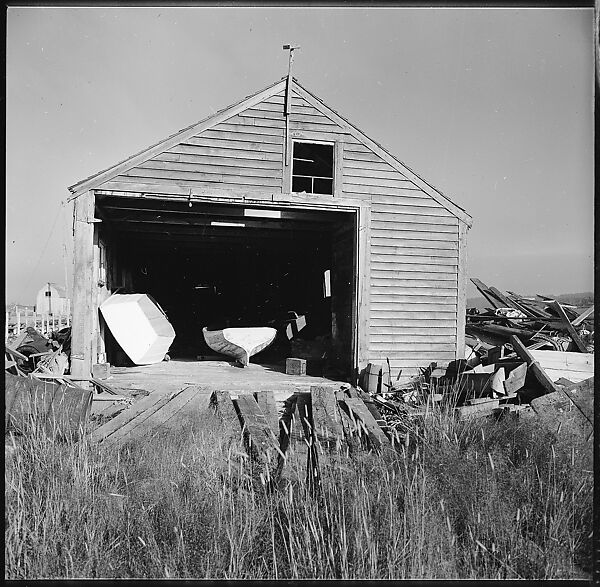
{"type": "Point", "coordinates": [465, 500]}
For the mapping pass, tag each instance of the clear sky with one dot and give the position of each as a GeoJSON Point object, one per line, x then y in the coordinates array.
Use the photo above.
{"type": "Point", "coordinates": [494, 107]}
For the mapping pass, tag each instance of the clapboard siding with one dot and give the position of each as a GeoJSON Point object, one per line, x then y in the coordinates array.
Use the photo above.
{"type": "Point", "coordinates": [413, 265]}
{"type": "Point", "coordinates": [413, 250]}
{"type": "Point", "coordinates": [244, 152]}
{"type": "Point", "coordinates": [413, 239]}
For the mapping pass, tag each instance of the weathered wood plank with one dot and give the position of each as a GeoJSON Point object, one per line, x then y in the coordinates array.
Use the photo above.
{"type": "Point", "coordinates": [188, 148]}
{"type": "Point", "coordinates": [563, 360]}
{"type": "Point", "coordinates": [516, 379]}
{"type": "Point", "coordinates": [413, 307]}
{"type": "Point", "coordinates": [376, 436]}
{"type": "Point", "coordinates": [387, 192]}
{"type": "Point", "coordinates": [406, 208]}
{"type": "Point", "coordinates": [264, 114]}
{"type": "Point", "coordinates": [415, 284]}
{"type": "Point", "coordinates": [389, 293]}
{"type": "Point", "coordinates": [532, 364]}
{"type": "Point", "coordinates": [367, 162]}
{"type": "Point", "coordinates": [401, 296]}
{"type": "Point", "coordinates": [392, 248]}
{"type": "Point", "coordinates": [414, 255]}
{"type": "Point", "coordinates": [401, 223]}
{"type": "Point", "coordinates": [267, 405]}
{"type": "Point", "coordinates": [158, 418]}
{"type": "Point", "coordinates": [397, 268]}
{"type": "Point", "coordinates": [572, 332]}
{"type": "Point", "coordinates": [151, 402]}
{"type": "Point", "coordinates": [211, 172]}
{"type": "Point", "coordinates": [311, 120]}
{"type": "Point", "coordinates": [298, 462]}
{"type": "Point", "coordinates": [257, 122]}
{"type": "Point", "coordinates": [222, 406]}
{"type": "Point", "coordinates": [389, 231]}
{"type": "Point", "coordinates": [247, 142]}
{"type": "Point", "coordinates": [219, 164]}
{"type": "Point", "coordinates": [388, 186]}
{"type": "Point", "coordinates": [260, 134]}
{"type": "Point", "coordinates": [448, 223]}
{"type": "Point", "coordinates": [381, 277]}
{"type": "Point", "coordinates": [585, 314]}
{"type": "Point", "coordinates": [314, 135]}
{"type": "Point", "coordinates": [261, 443]}
{"type": "Point", "coordinates": [167, 174]}
{"type": "Point", "coordinates": [410, 358]}
{"type": "Point", "coordinates": [392, 335]}
{"type": "Point", "coordinates": [327, 426]}
{"type": "Point", "coordinates": [324, 128]}
{"type": "Point", "coordinates": [409, 328]}
{"type": "Point", "coordinates": [399, 346]}
{"type": "Point", "coordinates": [461, 310]}
{"type": "Point", "coordinates": [83, 286]}
{"type": "Point", "coordinates": [369, 172]}
{"type": "Point", "coordinates": [380, 239]}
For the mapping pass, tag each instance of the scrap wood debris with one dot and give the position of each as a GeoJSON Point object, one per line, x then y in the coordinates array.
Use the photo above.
{"type": "Point", "coordinates": [534, 320]}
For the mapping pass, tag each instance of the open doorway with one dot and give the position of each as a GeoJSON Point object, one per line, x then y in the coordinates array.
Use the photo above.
{"type": "Point", "coordinates": [222, 265]}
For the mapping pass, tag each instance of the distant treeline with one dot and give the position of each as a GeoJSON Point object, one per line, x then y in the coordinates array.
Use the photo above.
{"type": "Point", "coordinates": [585, 299]}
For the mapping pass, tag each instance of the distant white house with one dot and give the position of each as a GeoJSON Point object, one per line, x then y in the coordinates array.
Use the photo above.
{"type": "Point", "coordinates": [52, 299]}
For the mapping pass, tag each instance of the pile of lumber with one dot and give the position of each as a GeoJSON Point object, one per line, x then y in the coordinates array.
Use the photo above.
{"type": "Point", "coordinates": [505, 379]}
{"type": "Point", "coordinates": [538, 320]}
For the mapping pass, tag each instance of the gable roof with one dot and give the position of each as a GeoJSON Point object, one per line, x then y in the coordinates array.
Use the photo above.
{"type": "Point", "coordinates": [249, 101]}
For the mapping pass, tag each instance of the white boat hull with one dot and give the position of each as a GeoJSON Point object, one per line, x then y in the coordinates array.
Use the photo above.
{"type": "Point", "coordinates": [139, 325]}
{"type": "Point", "coordinates": [240, 343]}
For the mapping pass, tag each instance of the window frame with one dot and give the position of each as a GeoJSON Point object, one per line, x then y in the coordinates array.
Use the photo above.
{"type": "Point", "coordinates": [333, 145]}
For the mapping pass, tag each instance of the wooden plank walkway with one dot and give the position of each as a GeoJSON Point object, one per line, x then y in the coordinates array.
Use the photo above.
{"type": "Point", "coordinates": [318, 429]}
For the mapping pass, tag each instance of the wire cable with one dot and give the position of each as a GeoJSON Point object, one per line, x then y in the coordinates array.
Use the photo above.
{"type": "Point", "coordinates": [44, 249]}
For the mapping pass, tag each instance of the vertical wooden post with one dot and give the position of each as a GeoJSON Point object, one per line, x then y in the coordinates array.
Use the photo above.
{"type": "Point", "coordinates": [461, 306]}
{"type": "Point", "coordinates": [83, 260]}
{"type": "Point", "coordinates": [362, 307]}
{"type": "Point", "coordinates": [18, 320]}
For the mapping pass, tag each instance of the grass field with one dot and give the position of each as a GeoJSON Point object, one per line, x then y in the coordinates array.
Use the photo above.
{"type": "Point", "coordinates": [467, 500]}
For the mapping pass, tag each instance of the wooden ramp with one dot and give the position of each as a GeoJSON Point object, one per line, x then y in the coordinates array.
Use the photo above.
{"type": "Point", "coordinates": [153, 412]}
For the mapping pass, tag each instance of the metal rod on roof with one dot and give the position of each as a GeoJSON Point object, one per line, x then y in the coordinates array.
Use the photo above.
{"type": "Point", "coordinates": [288, 100]}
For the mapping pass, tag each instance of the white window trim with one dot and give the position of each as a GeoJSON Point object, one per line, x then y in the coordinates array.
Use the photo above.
{"type": "Point", "coordinates": [313, 142]}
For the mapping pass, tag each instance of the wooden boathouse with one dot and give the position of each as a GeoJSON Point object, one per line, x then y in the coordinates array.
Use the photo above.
{"type": "Point", "coordinates": [274, 204]}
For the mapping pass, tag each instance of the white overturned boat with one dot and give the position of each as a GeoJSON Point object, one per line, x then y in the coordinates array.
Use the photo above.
{"type": "Point", "coordinates": [240, 343]}
{"type": "Point", "coordinates": [139, 325]}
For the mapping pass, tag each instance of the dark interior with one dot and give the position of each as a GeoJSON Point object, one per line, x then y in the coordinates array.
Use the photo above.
{"type": "Point", "coordinates": [205, 269]}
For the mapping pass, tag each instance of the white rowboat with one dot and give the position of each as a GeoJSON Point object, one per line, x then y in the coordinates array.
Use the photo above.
{"type": "Point", "coordinates": [240, 343]}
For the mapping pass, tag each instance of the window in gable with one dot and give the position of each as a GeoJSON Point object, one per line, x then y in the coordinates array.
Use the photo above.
{"type": "Point", "coordinates": [312, 169]}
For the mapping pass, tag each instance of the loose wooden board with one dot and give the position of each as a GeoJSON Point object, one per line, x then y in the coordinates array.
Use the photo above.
{"type": "Point", "coordinates": [161, 417]}
{"type": "Point", "coordinates": [262, 444]}
{"type": "Point", "coordinates": [327, 424]}
{"type": "Point", "coordinates": [376, 436]}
